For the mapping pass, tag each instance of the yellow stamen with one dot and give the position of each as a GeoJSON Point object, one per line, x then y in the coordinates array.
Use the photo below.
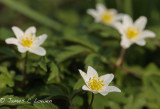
{"type": "Point", "coordinates": [108, 16]}
{"type": "Point", "coordinates": [95, 83]}
{"type": "Point", "coordinates": [132, 33]}
{"type": "Point", "coordinates": [27, 41]}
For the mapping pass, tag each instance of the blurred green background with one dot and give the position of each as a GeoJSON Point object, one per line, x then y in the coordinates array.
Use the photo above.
{"type": "Point", "coordinates": [74, 42]}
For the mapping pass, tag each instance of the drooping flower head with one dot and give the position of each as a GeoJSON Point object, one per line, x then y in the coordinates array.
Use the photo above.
{"type": "Point", "coordinates": [133, 32]}
{"type": "Point", "coordinates": [97, 84]}
{"type": "Point", "coordinates": [27, 41]}
{"type": "Point", "coordinates": [102, 14]}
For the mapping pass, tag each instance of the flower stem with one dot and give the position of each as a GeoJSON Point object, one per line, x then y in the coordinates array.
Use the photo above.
{"type": "Point", "coordinates": [90, 106]}
{"type": "Point", "coordinates": [25, 66]}
{"type": "Point", "coordinates": [120, 59]}
{"type": "Point", "coordinates": [70, 102]}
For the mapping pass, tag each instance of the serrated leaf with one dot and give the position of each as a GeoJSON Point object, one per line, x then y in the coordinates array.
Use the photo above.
{"type": "Point", "coordinates": [54, 72]}
{"type": "Point", "coordinates": [45, 106]}
{"type": "Point", "coordinates": [43, 63]}
{"type": "Point", "coordinates": [6, 78]}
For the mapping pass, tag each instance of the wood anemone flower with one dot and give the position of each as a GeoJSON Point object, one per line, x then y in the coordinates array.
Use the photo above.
{"type": "Point", "coordinates": [107, 16]}
{"type": "Point", "coordinates": [133, 32]}
{"type": "Point", "coordinates": [97, 84]}
{"type": "Point", "coordinates": [27, 41]}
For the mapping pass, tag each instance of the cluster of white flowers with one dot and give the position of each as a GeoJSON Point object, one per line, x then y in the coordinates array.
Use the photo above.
{"type": "Point", "coordinates": [131, 32]}
{"type": "Point", "coordinates": [27, 41]}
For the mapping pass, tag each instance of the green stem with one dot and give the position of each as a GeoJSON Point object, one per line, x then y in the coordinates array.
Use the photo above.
{"type": "Point", "coordinates": [25, 66]}
{"type": "Point", "coordinates": [70, 102]}
{"type": "Point", "coordinates": [90, 106]}
{"type": "Point", "coordinates": [120, 59]}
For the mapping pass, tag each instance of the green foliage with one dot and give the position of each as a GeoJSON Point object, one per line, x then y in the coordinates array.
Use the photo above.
{"type": "Point", "coordinates": [75, 42]}
{"type": "Point", "coordinates": [6, 80]}
{"type": "Point", "coordinates": [31, 13]}
{"type": "Point", "coordinates": [47, 106]}
{"type": "Point", "coordinates": [38, 106]}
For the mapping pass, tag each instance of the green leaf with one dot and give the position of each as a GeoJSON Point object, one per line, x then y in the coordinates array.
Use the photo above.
{"type": "Point", "coordinates": [54, 73]}
{"type": "Point", "coordinates": [6, 90]}
{"type": "Point", "coordinates": [5, 33]}
{"type": "Point", "coordinates": [101, 29]}
{"type": "Point", "coordinates": [70, 52]}
{"type": "Point", "coordinates": [6, 78]}
{"type": "Point", "coordinates": [32, 14]}
{"type": "Point", "coordinates": [79, 84]}
{"type": "Point", "coordinates": [92, 59]}
{"type": "Point", "coordinates": [71, 35]}
{"type": "Point", "coordinates": [78, 101]}
{"type": "Point", "coordinates": [128, 7]}
{"type": "Point", "coordinates": [7, 53]}
{"type": "Point", "coordinates": [5, 108]}
{"type": "Point", "coordinates": [114, 105]}
{"type": "Point", "coordinates": [39, 106]}
{"type": "Point", "coordinates": [50, 90]}
{"type": "Point", "coordinates": [45, 106]}
{"type": "Point", "coordinates": [43, 63]}
{"type": "Point", "coordinates": [26, 107]}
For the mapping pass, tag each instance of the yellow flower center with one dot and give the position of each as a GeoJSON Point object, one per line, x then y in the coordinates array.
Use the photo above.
{"type": "Point", "coordinates": [107, 17]}
{"type": "Point", "coordinates": [27, 41]}
{"type": "Point", "coordinates": [95, 83]}
{"type": "Point", "coordinates": [132, 33]}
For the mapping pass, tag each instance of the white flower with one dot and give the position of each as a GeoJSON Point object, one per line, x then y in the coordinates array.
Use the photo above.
{"type": "Point", "coordinates": [107, 16]}
{"type": "Point", "coordinates": [97, 84]}
{"type": "Point", "coordinates": [27, 41]}
{"type": "Point", "coordinates": [133, 32]}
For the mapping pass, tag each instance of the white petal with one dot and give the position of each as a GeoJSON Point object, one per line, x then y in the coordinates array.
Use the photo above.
{"type": "Point", "coordinates": [84, 76]}
{"type": "Point", "coordinates": [18, 32]}
{"type": "Point", "coordinates": [31, 30]}
{"type": "Point", "coordinates": [12, 41]}
{"type": "Point", "coordinates": [113, 10]}
{"type": "Point", "coordinates": [86, 88]}
{"type": "Point", "coordinates": [94, 14]}
{"type": "Point", "coordinates": [110, 89]}
{"type": "Point", "coordinates": [91, 72]}
{"type": "Point", "coordinates": [141, 22]}
{"type": "Point", "coordinates": [141, 42]}
{"type": "Point", "coordinates": [107, 78]}
{"type": "Point", "coordinates": [147, 33]}
{"type": "Point", "coordinates": [118, 26]}
{"type": "Point", "coordinates": [113, 89]}
{"type": "Point", "coordinates": [40, 39]}
{"type": "Point", "coordinates": [119, 17]}
{"type": "Point", "coordinates": [125, 43]}
{"type": "Point", "coordinates": [22, 49]}
{"type": "Point", "coordinates": [38, 50]}
{"type": "Point", "coordinates": [100, 8]}
{"type": "Point", "coordinates": [127, 21]}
